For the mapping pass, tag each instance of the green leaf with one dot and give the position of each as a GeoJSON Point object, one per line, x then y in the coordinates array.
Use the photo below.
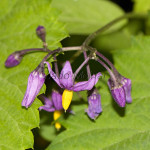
{"type": "Point", "coordinates": [86, 16]}
{"type": "Point", "coordinates": [18, 32]}
{"type": "Point", "coordinates": [6, 7]}
{"type": "Point", "coordinates": [109, 42]}
{"type": "Point", "coordinates": [141, 6]}
{"type": "Point", "coordinates": [116, 128]}
{"type": "Point", "coordinates": [48, 132]}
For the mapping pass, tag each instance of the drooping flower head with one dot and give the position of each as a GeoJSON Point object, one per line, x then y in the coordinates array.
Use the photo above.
{"type": "Point", "coordinates": [35, 82]}
{"type": "Point", "coordinates": [94, 100]}
{"type": "Point", "coordinates": [13, 60]}
{"type": "Point", "coordinates": [66, 81]}
{"type": "Point", "coordinates": [53, 105]}
{"type": "Point", "coordinates": [121, 92]}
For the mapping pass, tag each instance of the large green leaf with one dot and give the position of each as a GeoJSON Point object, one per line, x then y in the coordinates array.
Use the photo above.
{"type": "Point", "coordinates": [141, 6]}
{"type": "Point", "coordinates": [116, 128]}
{"type": "Point", "coordinates": [86, 16]}
{"type": "Point", "coordinates": [18, 32]}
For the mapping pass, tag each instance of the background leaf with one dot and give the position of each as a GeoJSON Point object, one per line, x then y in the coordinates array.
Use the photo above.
{"type": "Point", "coordinates": [141, 6]}
{"type": "Point", "coordinates": [6, 7]}
{"type": "Point", "coordinates": [18, 32]}
{"type": "Point", "coordinates": [86, 16]}
{"type": "Point", "coordinates": [116, 128]}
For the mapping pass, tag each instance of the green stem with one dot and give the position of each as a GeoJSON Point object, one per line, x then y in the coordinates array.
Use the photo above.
{"type": "Point", "coordinates": [107, 26]}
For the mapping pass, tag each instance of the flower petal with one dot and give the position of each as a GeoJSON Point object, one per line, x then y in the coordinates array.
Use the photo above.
{"type": "Point", "coordinates": [47, 108]}
{"type": "Point", "coordinates": [118, 94]}
{"type": "Point", "coordinates": [52, 74]}
{"type": "Point", "coordinates": [66, 76]}
{"type": "Point", "coordinates": [48, 104]}
{"type": "Point", "coordinates": [35, 83]}
{"type": "Point", "coordinates": [127, 88]}
{"type": "Point", "coordinates": [57, 100]}
{"type": "Point", "coordinates": [94, 108]}
{"type": "Point", "coordinates": [86, 85]}
{"type": "Point", "coordinates": [45, 100]}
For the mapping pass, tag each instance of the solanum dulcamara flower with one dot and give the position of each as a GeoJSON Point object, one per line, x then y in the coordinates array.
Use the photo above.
{"type": "Point", "coordinates": [66, 82]}
{"type": "Point", "coordinates": [53, 104]}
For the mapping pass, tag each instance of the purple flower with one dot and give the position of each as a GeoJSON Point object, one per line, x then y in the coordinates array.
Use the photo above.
{"type": "Point", "coordinates": [94, 100]}
{"type": "Point", "coordinates": [53, 105]}
{"type": "Point", "coordinates": [13, 60]}
{"type": "Point", "coordinates": [35, 82]}
{"type": "Point", "coordinates": [121, 92]}
{"type": "Point", "coordinates": [50, 105]}
{"type": "Point", "coordinates": [66, 82]}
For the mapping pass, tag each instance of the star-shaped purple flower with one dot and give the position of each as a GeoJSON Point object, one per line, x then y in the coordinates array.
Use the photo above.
{"type": "Point", "coordinates": [66, 81]}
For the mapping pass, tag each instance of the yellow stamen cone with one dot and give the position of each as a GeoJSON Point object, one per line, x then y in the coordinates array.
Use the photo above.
{"type": "Point", "coordinates": [57, 125]}
{"type": "Point", "coordinates": [66, 98]}
{"type": "Point", "coordinates": [56, 115]}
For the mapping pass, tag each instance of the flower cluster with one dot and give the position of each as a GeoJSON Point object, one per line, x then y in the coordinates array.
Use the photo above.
{"type": "Point", "coordinates": [60, 100]}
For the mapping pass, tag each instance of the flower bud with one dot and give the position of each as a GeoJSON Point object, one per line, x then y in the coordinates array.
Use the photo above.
{"type": "Point", "coordinates": [117, 93]}
{"type": "Point", "coordinates": [41, 33]}
{"type": "Point", "coordinates": [94, 100]}
{"type": "Point", "coordinates": [13, 60]}
{"type": "Point", "coordinates": [35, 82]}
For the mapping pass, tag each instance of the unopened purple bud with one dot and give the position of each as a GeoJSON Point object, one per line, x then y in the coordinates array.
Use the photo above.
{"type": "Point", "coordinates": [41, 32]}
{"type": "Point", "coordinates": [57, 100]}
{"type": "Point", "coordinates": [117, 93]}
{"type": "Point", "coordinates": [127, 88]}
{"type": "Point", "coordinates": [35, 82]}
{"type": "Point", "coordinates": [94, 100]}
{"type": "Point", "coordinates": [13, 60]}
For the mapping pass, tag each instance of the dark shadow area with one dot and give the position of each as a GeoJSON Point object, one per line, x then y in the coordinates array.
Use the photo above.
{"type": "Point", "coordinates": [78, 102]}
{"type": "Point", "coordinates": [126, 5]}
{"type": "Point", "coordinates": [121, 111]}
{"type": "Point", "coordinates": [95, 67]}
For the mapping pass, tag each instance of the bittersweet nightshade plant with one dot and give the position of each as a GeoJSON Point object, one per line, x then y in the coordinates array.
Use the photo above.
{"type": "Point", "coordinates": [120, 86]}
